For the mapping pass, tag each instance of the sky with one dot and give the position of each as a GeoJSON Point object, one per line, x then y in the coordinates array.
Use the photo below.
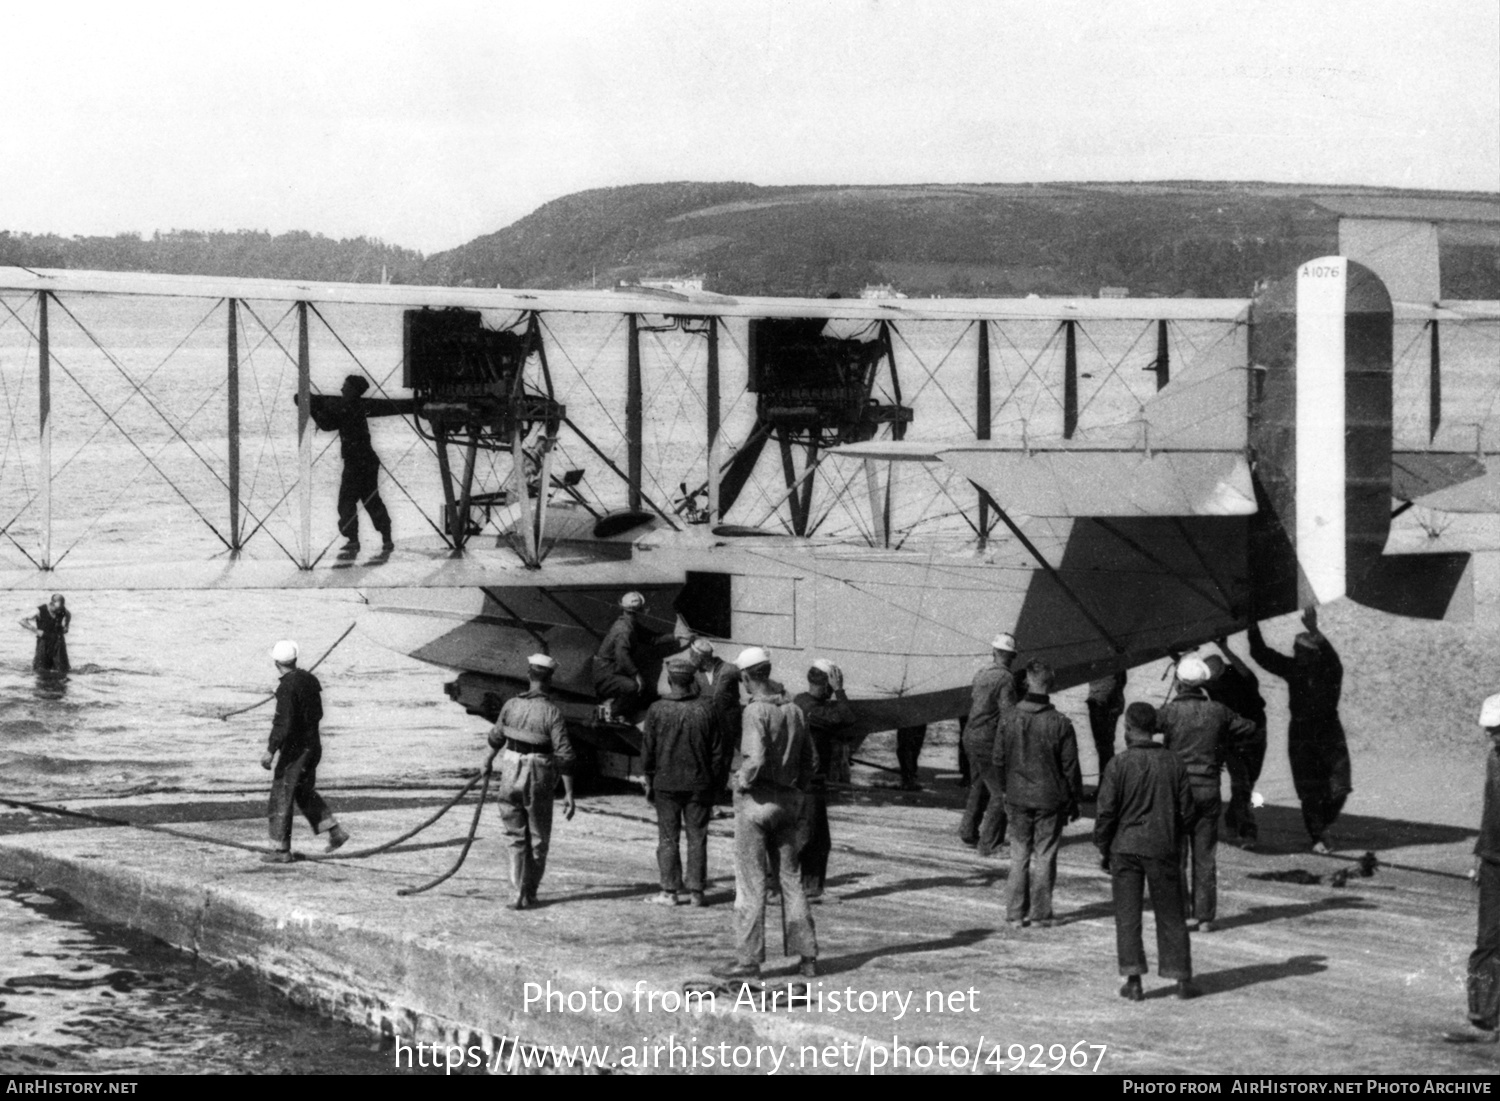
{"type": "Point", "coordinates": [427, 124]}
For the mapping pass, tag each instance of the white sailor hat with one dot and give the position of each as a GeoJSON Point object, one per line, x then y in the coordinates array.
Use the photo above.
{"type": "Point", "coordinates": [541, 661]}
{"type": "Point", "coordinates": [1193, 670]}
{"type": "Point", "coordinates": [1489, 711]}
{"type": "Point", "coordinates": [632, 601]}
{"type": "Point", "coordinates": [751, 656]}
{"type": "Point", "coordinates": [702, 646]}
{"type": "Point", "coordinates": [284, 652]}
{"type": "Point", "coordinates": [824, 666]}
{"type": "Point", "coordinates": [1004, 641]}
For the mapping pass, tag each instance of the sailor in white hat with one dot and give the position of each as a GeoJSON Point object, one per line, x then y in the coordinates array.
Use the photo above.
{"type": "Point", "coordinates": [994, 696]}
{"type": "Point", "coordinates": [770, 786]}
{"type": "Point", "coordinates": [295, 747]}
{"type": "Point", "coordinates": [531, 740]}
{"type": "Point", "coordinates": [1200, 731]}
{"type": "Point", "coordinates": [628, 662]}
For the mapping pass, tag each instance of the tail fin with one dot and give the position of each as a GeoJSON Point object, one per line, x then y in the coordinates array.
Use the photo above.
{"type": "Point", "coordinates": [1321, 355]}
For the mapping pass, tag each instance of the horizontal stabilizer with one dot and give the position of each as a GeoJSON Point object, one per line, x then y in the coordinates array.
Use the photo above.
{"type": "Point", "coordinates": [1110, 483]}
{"type": "Point", "coordinates": [1415, 474]}
{"type": "Point", "coordinates": [1480, 494]}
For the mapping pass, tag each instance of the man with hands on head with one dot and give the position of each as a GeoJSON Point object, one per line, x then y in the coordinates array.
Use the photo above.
{"type": "Point", "coordinates": [825, 704]}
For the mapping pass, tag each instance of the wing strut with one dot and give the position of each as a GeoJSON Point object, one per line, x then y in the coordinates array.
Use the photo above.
{"type": "Point", "coordinates": [1077, 602]}
{"type": "Point", "coordinates": [525, 626]}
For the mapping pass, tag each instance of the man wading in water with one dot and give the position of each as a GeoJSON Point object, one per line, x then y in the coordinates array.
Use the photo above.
{"type": "Point", "coordinates": [50, 625]}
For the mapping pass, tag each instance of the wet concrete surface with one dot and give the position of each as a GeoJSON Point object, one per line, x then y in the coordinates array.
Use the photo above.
{"type": "Point", "coordinates": [1303, 976]}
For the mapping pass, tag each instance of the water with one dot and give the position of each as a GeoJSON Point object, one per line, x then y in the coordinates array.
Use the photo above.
{"type": "Point", "coordinates": [154, 671]}
{"type": "Point", "coordinates": [81, 998]}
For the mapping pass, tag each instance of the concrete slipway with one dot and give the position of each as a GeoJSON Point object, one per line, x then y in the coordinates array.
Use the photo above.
{"type": "Point", "coordinates": [1302, 977]}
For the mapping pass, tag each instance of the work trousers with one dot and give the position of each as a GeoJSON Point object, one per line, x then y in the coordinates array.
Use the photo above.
{"type": "Point", "coordinates": [1484, 961]}
{"type": "Point", "coordinates": [1129, 874]}
{"type": "Point", "coordinates": [764, 818]}
{"type": "Point", "coordinates": [1200, 850]}
{"type": "Point", "coordinates": [814, 842]}
{"type": "Point", "coordinates": [1034, 838]}
{"type": "Point", "coordinates": [674, 810]}
{"type": "Point", "coordinates": [983, 822]}
{"type": "Point", "coordinates": [294, 788]}
{"type": "Point", "coordinates": [909, 741]}
{"type": "Point", "coordinates": [360, 485]}
{"type": "Point", "coordinates": [1244, 761]}
{"type": "Point", "coordinates": [627, 695]}
{"type": "Point", "coordinates": [1104, 718]}
{"type": "Point", "coordinates": [1320, 770]}
{"type": "Point", "coordinates": [524, 789]}
{"type": "Point", "coordinates": [839, 755]}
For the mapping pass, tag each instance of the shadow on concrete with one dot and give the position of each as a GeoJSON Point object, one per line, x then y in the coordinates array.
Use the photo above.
{"type": "Point", "coordinates": [1282, 831]}
{"type": "Point", "coordinates": [1259, 915]}
{"type": "Point", "coordinates": [961, 938]}
{"type": "Point", "coordinates": [637, 890]}
{"type": "Point", "coordinates": [1087, 913]}
{"type": "Point", "coordinates": [974, 879]}
{"type": "Point", "coordinates": [216, 810]}
{"type": "Point", "coordinates": [1233, 978]}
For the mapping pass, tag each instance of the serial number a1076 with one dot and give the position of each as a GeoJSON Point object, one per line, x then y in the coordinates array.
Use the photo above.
{"type": "Point", "coordinates": [1320, 271]}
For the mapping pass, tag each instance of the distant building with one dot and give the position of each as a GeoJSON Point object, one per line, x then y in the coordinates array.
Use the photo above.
{"type": "Point", "coordinates": [1114, 292]}
{"type": "Point", "coordinates": [880, 290]}
{"type": "Point", "coordinates": [687, 285]}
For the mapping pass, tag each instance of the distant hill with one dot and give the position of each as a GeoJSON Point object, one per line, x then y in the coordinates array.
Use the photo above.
{"type": "Point", "coordinates": [251, 254]}
{"type": "Point", "coordinates": [1199, 239]}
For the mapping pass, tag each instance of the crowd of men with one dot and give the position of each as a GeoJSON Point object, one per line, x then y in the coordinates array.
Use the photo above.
{"type": "Point", "coordinates": [708, 725]}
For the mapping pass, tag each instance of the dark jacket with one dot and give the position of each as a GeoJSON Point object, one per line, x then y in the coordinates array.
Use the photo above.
{"type": "Point", "coordinates": [727, 711]}
{"type": "Point", "coordinates": [299, 709]}
{"type": "Point", "coordinates": [347, 415]}
{"type": "Point", "coordinates": [1201, 732]}
{"type": "Point", "coordinates": [1108, 692]}
{"type": "Point", "coordinates": [680, 743]}
{"type": "Point", "coordinates": [1037, 755]}
{"type": "Point", "coordinates": [994, 697]}
{"type": "Point", "coordinates": [1313, 683]}
{"type": "Point", "coordinates": [1240, 692]}
{"type": "Point", "coordinates": [1145, 802]}
{"type": "Point", "coordinates": [631, 649]}
{"type": "Point", "coordinates": [828, 721]}
{"type": "Point", "coordinates": [1487, 845]}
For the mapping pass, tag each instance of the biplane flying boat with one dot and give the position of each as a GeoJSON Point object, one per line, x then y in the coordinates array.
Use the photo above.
{"type": "Point", "coordinates": [885, 483]}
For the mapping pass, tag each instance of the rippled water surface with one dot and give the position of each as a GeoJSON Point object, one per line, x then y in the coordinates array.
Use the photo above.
{"type": "Point", "coordinates": [79, 997]}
